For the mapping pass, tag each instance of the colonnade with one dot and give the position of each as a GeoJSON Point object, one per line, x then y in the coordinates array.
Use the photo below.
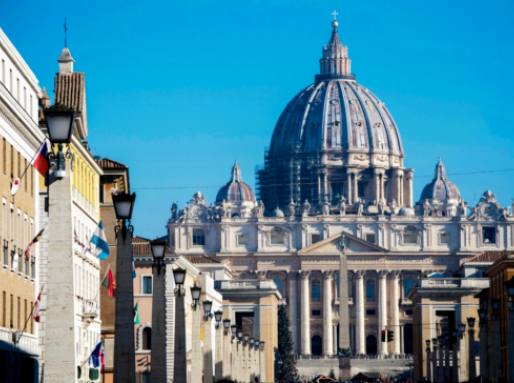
{"type": "Point", "coordinates": [387, 305]}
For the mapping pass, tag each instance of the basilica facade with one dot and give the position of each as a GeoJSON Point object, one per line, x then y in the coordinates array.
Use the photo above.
{"type": "Point", "coordinates": [335, 167]}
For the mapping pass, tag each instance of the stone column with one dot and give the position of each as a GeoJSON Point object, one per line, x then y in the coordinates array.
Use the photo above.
{"type": "Point", "coordinates": [349, 194]}
{"type": "Point", "coordinates": [220, 350]}
{"type": "Point", "coordinates": [376, 185]}
{"type": "Point", "coordinates": [207, 352]}
{"type": "Point", "coordinates": [196, 349]}
{"type": "Point", "coordinates": [382, 311]}
{"type": "Point", "coordinates": [327, 313]}
{"type": "Point", "coordinates": [344, 312]}
{"type": "Point", "coordinates": [59, 337]}
{"type": "Point", "coordinates": [359, 313]}
{"type": "Point", "coordinates": [158, 351]}
{"type": "Point", "coordinates": [355, 186]}
{"type": "Point", "coordinates": [306, 313]}
{"type": "Point", "coordinates": [262, 363]}
{"type": "Point", "coordinates": [293, 308]}
{"type": "Point", "coordinates": [395, 306]}
{"type": "Point", "coordinates": [233, 359]}
{"type": "Point", "coordinates": [226, 357]}
{"type": "Point", "coordinates": [124, 343]}
{"type": "Point", "coordinates": [409, 193]}
{"type": "Point", "coordinates": [179, 355]}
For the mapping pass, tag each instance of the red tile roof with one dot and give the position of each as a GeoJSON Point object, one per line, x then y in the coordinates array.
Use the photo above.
{"type": "Point", "coordinates": [106, 163]}
{"type": "Point", "coordinates": [70, 91]}
{"type": "Point", "coordinates": [489, 256]}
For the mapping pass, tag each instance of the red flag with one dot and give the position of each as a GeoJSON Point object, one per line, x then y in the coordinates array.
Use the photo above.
{"type": "Point", "coordinates": [109, 282]}
{"type": "Point", "coordinates": [37, 308]}
{"type": "Point", "coordinates": [32, 243]}
{"type": "Point", "coordinates": [41, 163]}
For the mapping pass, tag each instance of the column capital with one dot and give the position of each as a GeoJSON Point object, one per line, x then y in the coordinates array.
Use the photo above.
{"type": "Point", "coordinates": [395, 274]}
{"type": "Point", "coordinates": [359, 273]}
{"type": "Point", "coordinates": [383, 273]}
{"type": "Point", "coordinates": [305, 274]}
{"type": "Point", "coordinates": [328, 274]}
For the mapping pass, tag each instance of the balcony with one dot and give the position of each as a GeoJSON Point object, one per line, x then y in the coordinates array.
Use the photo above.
{"type": "Point", "coordinates": [89, 310]}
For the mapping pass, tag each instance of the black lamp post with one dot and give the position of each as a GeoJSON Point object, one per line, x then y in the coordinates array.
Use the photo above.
{"type": "Point", "coordinates": [124, 348]}
{"type": "Point", "coordinates": [195, 295]}
{"type": "Point", "coordinates": [158, 247]}
{"type": "Point", "coordinates": [59, 123]}
{"type": "Point", "coordinates": [180, 361]}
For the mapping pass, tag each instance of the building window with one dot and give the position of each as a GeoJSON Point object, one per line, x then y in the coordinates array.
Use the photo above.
{"type": "Point", "coordinates": [489, 235]}
{"type": "Point", "coordinates": [241, 239]}
{"type": "Point", "coordinates": [370, 290]}
{"type": "Point", "coordinates": [316, 313]}
{"type": "Point", "coordinates": [408, 312]}
{"type": "Point", "coordinates": [444, 238]}
{"type": "Point", "coordinates": [198, 237]}
{"type": "Point", "coordinates": [408, 285]}
{"type": "Point", "coordinates": [146, 284]}
{"type": "Point", "coordinates": [316, 237]}
{"type": "Point", "coordinates": [370, 237]}
{"type": "Point", "coordinates": [146, 340]}
{"type": "Point", "coordinates": [315, 290]}
{"type": "Point", "coordinates": [27, 269]}
{"type": "Point", "coordinates": [277, 237]}
{"type": "Point", "coordinates": [410, 235]}
{"type": "Point", "coordinates": [371, 312]}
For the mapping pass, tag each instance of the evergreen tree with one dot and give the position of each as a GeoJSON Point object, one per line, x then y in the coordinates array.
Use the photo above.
{"type": "Point", "coordinates": [285, 363]}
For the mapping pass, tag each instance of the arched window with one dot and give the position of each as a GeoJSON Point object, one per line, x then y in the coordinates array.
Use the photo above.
{"type": "Point", "coordinates": [410, 235]}
{"type": "Point", "coordinates": [315, 290]}
{"type": "Point", "coordinates": [370, 290]}
{"type": "Point", "coordinates": [147, 338]}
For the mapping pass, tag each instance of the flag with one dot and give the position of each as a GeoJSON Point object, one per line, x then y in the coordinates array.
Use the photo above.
{"type": "Point", "coordinates": [109, 282]}
{"type": "Point", "coordinates": [136, 314]}
{"type": "Point", "coordinates": [98, 239]}
{"type": "Point", "coordinates": [97, 357]}
{"type": "Point", "coordinates": [37, 307]}
{"type": "Point", "coordinates": [32, 243]}
{"type": "Point", "coordinates": [15, 185]}
{"type": "Point", "coordinates": [41, 163]}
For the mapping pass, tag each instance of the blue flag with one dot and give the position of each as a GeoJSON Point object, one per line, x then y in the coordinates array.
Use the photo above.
{"type": "Point", "coordinates": [98, 239]}
{"type": "Point", "coordinates": [133, 268]}
{"type": "Point", "coordinates": [95, 357]}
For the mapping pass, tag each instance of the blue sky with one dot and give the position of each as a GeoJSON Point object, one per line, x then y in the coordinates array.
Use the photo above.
{"type": "Point", "coordinates": [178, 90]}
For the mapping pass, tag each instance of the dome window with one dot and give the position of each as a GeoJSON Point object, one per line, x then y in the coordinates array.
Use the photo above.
{"type": "Point", "coordinates": [277, 237]}
{"type": "Point", "coordinates": [410, 236]}
{"type": "Point", "coordinates": [444, 238]}
{"type": "Point", "coordinates": [489, 235]}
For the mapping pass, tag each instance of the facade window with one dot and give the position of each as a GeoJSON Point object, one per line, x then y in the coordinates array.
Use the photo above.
{"type": "Point", "coordinates": [315, 290]}
{"type": "Point", "coordinates": [410, 235]}
{"type": "Point", "coordinates": [489, 235]}
{"type": "Point", "coordinates": [316, 313]}
{"type": "Point", "coordinates": [198, 237]}
{"type": "Point", "coordinates": [277, 237]}
{"type": "Point", "coordinates": [444, 238]}
{"type": "Point", "coordinates": [241, 239]}
{"type": "Point", "coordinates": [408, 285]}
{"type": "Point", "coordinates": [146, 340]}
{"type": "Point", "coordinates": [370, 237]}
{"type": "Point", "coordinates": [408, 312]}
{"type": "Point", "coordinates": [370, 290]}
{"type": "Point", "coordinates": [146, 284]}
{"type": "Point", "coordinates": [371, 312]}
{"type": "Point", "coordinates": [316, 237]}
{"type": "Point", "coordinates": [27, 267]}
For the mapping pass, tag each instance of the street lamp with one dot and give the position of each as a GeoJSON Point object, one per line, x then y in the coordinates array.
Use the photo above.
{"type": "Point", "coordinates": [471, 322]}
{"type": "Point", "coordinates": [179, 275]}
{"type": "Point", "coordinates": [218, 316]}
{"type": "Point", "coordinates": [226, 325]}
{"type": "Point", "coordinates": [59, 123]}
{"type": "Point", "coordinates": [460, 330]}
{"type": "Point", "coordinates": [195, 295]}
{"type": "Point", "coordinates": [207, 308]}
{"type": "Point", "coordinates": [158, 247]}
{"type": "Point", "coordinates": [233, 330]}
{"type": "Point", "coordinates": [124, 357]}
{"type": "Point", "coordinates": [180, 361]}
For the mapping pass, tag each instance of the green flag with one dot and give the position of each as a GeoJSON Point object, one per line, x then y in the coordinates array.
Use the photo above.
{"type": "Point", "coordinates": [136, 314]}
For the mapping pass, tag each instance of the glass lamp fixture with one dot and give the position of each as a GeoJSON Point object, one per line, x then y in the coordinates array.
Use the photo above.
{"type": "Point", "coordinates": [123, 205]}
{"type": "Point", "coordinates": [427, 343]}
{"type": "Point", "coordinates": [179, 275]}
{"type": "Point", "coordinates": [158, 247]}
{"type": "Point", "coordinates": [218, 315]}
{"type": "Point", "coordinates": [471, 322]}
{"type": "Point", "coordinates": [207, 308]}
{"type": "Point", "coordinates": [233, 330]}
{"type": "Point", "coordinates": [59, 122]}
{"type": "Point", "coordinates": [226, 324]}
{"type": "Point", "coordinates": [195, 294]}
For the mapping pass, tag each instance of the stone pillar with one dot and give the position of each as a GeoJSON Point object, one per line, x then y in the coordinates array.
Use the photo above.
{"type": "Point", "coordinates": [233, 359]}
{"type": "Point", "coordinates": [409, 190]}
{"type": "Point", "coordinates": [395, 317]}
{"type": "Point", "coordinates": [207, 352]}
{"type": "Point", "coordinates": [376, 185]}
{"type": "Point", "coordinates": [220, 351]}
{"type": "Point", "coordinates": [327, 313]}
{"type": "Point", "coordinates": [349, 194]}
{"type": "Point", "coordinates": [158, 351]}
{"type": "Point", "coordinates": [382, 311]}
{"type": "Point", "coordinates": [293, 308]}
{"type": "Point", "coordinates": [355, 186]}
{"type": "Point", "coordinates": [179, 355]}
{"type": "Point", "coordinates": [124, 344]}
{"type": "Point", "coordinates": [306, 313]}
{"type": "Point", "coordinates": [344, 312]}
{"type": "Point", "coordinates": [196, 349]}
{"type": "Point", "coordinates": [226, 357]}
{"type": "Point", "coordinates": [59, 337]}
{"type": "Point", "coordinates": [359, 313]}
{"type": "Point", "coordinates": [262, 363]}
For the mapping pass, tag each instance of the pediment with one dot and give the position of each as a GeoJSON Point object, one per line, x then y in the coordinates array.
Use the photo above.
{"type": "Point", "coordinates": [353, 245]}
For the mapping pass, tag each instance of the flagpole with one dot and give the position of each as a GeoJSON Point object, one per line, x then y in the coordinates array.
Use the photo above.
{"type": "Point", "coordinates": [16, 340]}
{"type": "Point", "coordinates": [32, 159]}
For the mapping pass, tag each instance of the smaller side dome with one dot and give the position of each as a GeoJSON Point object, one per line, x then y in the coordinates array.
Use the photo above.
{"type": "Point", "coordinates": [235, 191]}
{"type": "Point", "coordinates": [441, 189]}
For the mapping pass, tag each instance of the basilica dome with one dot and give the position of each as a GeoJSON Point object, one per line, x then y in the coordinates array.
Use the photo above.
{"type": "Point", "coordinates": [333, 140]}
{"type": "Point", "coordinates": [441, 190]}
{"type": "Point", "coordinates": [235, 191]}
